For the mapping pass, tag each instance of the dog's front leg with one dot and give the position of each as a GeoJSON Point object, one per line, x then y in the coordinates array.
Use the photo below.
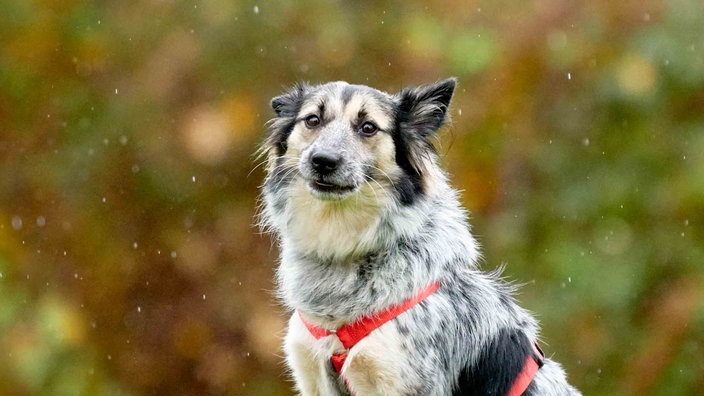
{"type": "Point", "coordinates": [305, 359]}
{"type": "Point", "coordinates": [375, 365]}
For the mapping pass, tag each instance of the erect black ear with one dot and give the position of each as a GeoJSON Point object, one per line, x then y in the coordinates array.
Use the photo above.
{"type": "Point", "coordinates": [288, 104]}
{"type": "Point", "coordinates": [426, 106]}
{"type": "Point", "coordinates": [421, 111]}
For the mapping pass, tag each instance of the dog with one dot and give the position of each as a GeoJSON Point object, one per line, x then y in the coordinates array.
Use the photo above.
{"type": "Point", "coordinates": [376, 256]}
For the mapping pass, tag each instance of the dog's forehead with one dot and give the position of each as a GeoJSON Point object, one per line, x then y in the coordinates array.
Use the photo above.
{"type": "Point", "coordinates": [337, 99]}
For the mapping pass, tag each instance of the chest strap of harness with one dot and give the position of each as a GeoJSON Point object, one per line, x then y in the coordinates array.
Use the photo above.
{"type": "Point", "coordinates": [351, 333]}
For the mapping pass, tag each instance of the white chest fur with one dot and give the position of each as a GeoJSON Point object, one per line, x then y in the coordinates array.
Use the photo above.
{"type": "Point", "coordinates": [373, 365]}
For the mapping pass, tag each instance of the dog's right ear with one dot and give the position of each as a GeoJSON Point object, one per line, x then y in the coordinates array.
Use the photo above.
{"type": "Point", "coordinates": [288, 104]}
{"type": "Point", "coordinates": [286, 107]}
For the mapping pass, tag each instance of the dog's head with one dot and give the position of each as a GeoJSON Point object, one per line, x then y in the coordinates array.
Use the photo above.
{"type": "Point", "coordinates": [337, 140]}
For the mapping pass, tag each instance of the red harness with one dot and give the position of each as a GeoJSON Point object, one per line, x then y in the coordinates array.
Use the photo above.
{"type": "Point", "coordinates": [351, 333]}
{"type": "Point", "coordinates": [533, 362]}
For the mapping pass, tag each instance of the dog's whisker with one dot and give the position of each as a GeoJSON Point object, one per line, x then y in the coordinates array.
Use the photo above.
{"type": "Point", "coordinates": [377, 183]}
{"type": "Point", "coordinates": [366, 181]}
{"type": "Point", "coordinates": [257, 166]}
{"type": "Point", "coordinates": [384, 174]}
{"type": "Point", "coordinates": [288, 172]}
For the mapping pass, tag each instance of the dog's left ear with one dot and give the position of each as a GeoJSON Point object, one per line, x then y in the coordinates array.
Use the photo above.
{"type": "Point", "coordinates": [426, 106]}
{"type": "Point", "coordinates": [421, 112]}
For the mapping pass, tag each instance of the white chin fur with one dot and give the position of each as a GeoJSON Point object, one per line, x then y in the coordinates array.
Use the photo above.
{"type": "Point", "coordinates": [332, 224]}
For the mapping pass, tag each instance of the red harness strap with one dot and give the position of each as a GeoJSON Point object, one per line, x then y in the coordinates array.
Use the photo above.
{"type": "Point", "coordinates": [351, 333]}
{"type": "Point", "coordinates": [533, 362]}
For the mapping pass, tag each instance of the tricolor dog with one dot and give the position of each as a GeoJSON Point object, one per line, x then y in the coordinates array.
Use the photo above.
{"type": "Point", "coordinates": [377, 260]}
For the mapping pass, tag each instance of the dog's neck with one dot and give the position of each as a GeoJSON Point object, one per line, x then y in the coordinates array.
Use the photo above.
{"type": "Point", "coordinates": [334, 278]}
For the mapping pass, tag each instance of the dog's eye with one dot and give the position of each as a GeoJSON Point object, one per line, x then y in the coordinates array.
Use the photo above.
{"type": "Point", "coordinates": [369, 129]}
{"type": "Point", "coordinates": [312, 121]}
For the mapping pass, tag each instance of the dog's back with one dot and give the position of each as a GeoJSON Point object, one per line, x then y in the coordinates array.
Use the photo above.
{"type": "Point", "coordinates": [366, 220]}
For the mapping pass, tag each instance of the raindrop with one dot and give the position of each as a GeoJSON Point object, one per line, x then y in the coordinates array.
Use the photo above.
{"type": "Point", "coordinates": [135, 168]}
{"type": "Point", "coordinates": [203, 296]}
{"type": "Point", "coordinates": [686, 222]}
{"type": "Point", "coordinates": [109, 357]}
{"type": "Point", "coordinates": [116, 91]}
{"type": "Point", "coordinates": [75, 275]}
{"type": "Point", "coordinates": [569, 75]}
{"type": "Point", "coordinates": [139, 309]}
{"type": "Point", "coordinates": [135, 245]}
{"type": "Point", "coordinates": [17, 223]}
{"type": "Point", "coordinates": [459, 112]}
{"type": "Point", "coordinates": [256, 9]}
{"type": "Point", "coordinates": [569, 279]}
{"type": "Point", "coordinates": [41, 221]}
{"type": "Point", "coordinates": [0, 275]}
{"type": "Point", "coordinates": [194, 179]}
{"type": "Point", "coordinates": [104, 199]}
{"type": "Point", "coordinates": [123, 140]}
{"type": "Point", "coordinates": [173, 254]}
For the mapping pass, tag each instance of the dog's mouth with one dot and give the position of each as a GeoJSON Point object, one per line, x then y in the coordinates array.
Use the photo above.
{"type": "Point", "coordinates": [329, 190]}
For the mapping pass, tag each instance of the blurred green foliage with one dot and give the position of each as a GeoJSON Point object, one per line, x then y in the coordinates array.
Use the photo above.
{"type": "Point", "coordinates": [128, 259]}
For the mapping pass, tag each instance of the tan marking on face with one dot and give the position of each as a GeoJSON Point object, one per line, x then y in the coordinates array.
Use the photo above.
{"type": "Point", "coordinates": [375, 113]}
{"type": "Point", "coordinates": [308, 109]}
{"type": "Point", "coordinates": [384, 152]}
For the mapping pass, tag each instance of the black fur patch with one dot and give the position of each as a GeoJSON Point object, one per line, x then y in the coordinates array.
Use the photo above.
{"type": "Point", "coordinates": [497, 367]}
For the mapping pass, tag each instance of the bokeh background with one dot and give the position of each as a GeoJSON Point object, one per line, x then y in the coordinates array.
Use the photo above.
{"type": "Point", "coordinates": [129, 263]}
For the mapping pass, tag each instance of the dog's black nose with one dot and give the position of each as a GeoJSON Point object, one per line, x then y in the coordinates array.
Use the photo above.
{"type": "Point", "coordinates": [325, 162]}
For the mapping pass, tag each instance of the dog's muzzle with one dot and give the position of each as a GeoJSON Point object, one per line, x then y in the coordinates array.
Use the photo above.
{"type": "Point", "coordinates": [323, 183]}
